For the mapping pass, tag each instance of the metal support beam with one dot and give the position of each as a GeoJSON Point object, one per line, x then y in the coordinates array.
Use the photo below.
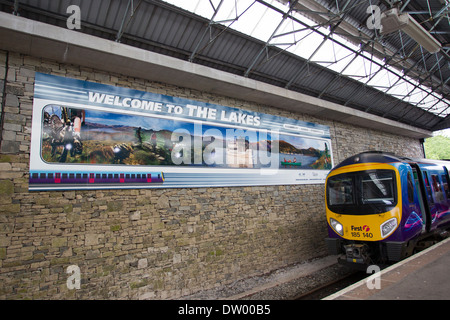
{"type": "Point", "coordinates": [123, 27]}
{"type": "Point", "coordinates": [255, 60]}
{"type": "Point", "coordinates": [325, 39]}
{"type": "Point", "coordinates": [208, 28]}
{"type": "Point", "coordinates": [197, 48]}
{"type": "Point", "coordinates": [16, 7]}
{"type": "Point", "coordinates": [357, 54]}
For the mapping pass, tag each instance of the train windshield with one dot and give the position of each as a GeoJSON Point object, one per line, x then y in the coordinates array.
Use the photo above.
{"type": "Point", "coordinates": [362, 192]}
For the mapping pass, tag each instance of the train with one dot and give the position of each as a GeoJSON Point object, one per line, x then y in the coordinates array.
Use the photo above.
{"type": "Point", "coordinates": [381, 206]}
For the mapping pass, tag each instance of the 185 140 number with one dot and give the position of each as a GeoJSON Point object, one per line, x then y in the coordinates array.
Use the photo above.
{"type": "Point", "coordinates": [364, 234]}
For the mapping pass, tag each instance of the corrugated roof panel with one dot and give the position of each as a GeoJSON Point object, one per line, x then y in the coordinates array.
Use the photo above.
{"type": "Point", "coordinates": [230, 51]}
{"type": "Point", "coordinates": [102, 12]}
{"type": "Point", "coordinates": [140, 21]}
{"type": "Point", "coordinates": [90, 10]}
{"type": "Point", "coordinates": [186, 26]}
{"type": "Point", "coordinates": [217, 49]}
{"type": "Point", "coordinates": [115, 10]}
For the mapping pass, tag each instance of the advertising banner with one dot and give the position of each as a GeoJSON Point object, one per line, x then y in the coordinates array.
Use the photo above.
{"type": "Point", "coordinates": [87, 135]}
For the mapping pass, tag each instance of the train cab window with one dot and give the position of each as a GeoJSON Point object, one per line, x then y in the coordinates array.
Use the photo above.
{"type": "Point", "coordinates": [410, 188]}
{"type": "Point", "coordinates": [378, 187]}
{"type": "Point", "coordinates": [340, 190]}
{"type": "Point", "coordinates": [362, 192]}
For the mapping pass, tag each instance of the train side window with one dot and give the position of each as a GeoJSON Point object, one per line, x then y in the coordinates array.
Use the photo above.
{"type": "Point", "coordinates": [437, 188]}
{"type": "Point", "coordinates": [428, 187]}
{"type": "Point", "coordinates": [445, 183]}
{"type": "Point", "coordinates": [436, 184]}
{"type": "Point", "coordinates": [410, 188]}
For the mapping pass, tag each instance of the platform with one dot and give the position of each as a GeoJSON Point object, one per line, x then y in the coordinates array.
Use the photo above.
{"type": "Point", "coordinates": [424, 276]}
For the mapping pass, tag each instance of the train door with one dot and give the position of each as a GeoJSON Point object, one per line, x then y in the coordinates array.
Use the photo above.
{"type": "Point", "coordinates": [446, 190]}
{"type": "Point", "coordinates": [419, 189]}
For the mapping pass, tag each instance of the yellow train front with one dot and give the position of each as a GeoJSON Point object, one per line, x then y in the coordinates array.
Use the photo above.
{"type": "Point", "coordinates": [379, 205]}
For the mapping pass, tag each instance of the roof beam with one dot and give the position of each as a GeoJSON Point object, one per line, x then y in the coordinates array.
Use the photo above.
{"type": "Point", "coordinates": [285, 16]}
{"type": "Point", "coordinates": [123, 27]}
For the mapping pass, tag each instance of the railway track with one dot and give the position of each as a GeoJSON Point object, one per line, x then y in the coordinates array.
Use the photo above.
{"type": "Point", "coordinates": [332, 286]}
{"type": "Point", "coordinates": [344, 281]}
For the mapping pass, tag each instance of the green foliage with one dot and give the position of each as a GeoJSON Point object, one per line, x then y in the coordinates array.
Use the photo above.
{"type": "Point", "coordinates": [437, 147]}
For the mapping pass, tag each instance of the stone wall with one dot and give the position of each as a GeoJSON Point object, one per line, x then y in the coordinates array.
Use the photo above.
{"type": "Point", "coordinates": [150, 244]}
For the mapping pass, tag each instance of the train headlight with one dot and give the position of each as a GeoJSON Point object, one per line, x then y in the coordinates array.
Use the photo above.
{"type": "Point", "coordinates": [337, 226]}
{"type": "Point", "coordinates": [388, 227]}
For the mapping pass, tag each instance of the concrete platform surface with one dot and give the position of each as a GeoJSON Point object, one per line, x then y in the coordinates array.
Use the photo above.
{"type": "Point", "coordinates": [424, 276]}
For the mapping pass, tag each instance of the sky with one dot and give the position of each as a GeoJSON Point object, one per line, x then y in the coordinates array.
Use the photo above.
{"type": "Point", "coordinates": [445, 133]}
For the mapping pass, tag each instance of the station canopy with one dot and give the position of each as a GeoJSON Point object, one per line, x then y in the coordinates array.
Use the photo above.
{"type": "Point", "coordinates": [389, 58]}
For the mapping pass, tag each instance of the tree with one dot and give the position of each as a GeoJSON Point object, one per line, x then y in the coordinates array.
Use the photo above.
{"type": "Point", "coordinates": [437, 147]}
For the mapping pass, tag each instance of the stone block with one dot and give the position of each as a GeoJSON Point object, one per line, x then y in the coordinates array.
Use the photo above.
{"type": "Point", "coordinates": [142, 263]}
{"type": "Point", "coordinates": [92, 254]}
{"type": "Point", "coordinates": [11, 101]}
{"type": "Point", "coordinates": [12, 127]}
{"type": "Point", "coordinates": [10, 146]}
{"type": "Point", "coordinates": [15, 118]}
{"type": "Point", "coordinates": [59, 242]}
{"type": "Point", "coordinates": [135, 216]}
{"type": "Point", "coordinates": [11, 76]}
{"type": "Point", "coordinates": [91, 239]}
{"type": "Point", "coordinates": [2, 253]}
{"type": "Point", "coordinates": [25, 72]}
{"type": "Point", "coordinates": [5, 166]}
{"type": "Point", "coordinates": [10, 208]}
{"type": "Point", "coordinates": [9, 135]}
